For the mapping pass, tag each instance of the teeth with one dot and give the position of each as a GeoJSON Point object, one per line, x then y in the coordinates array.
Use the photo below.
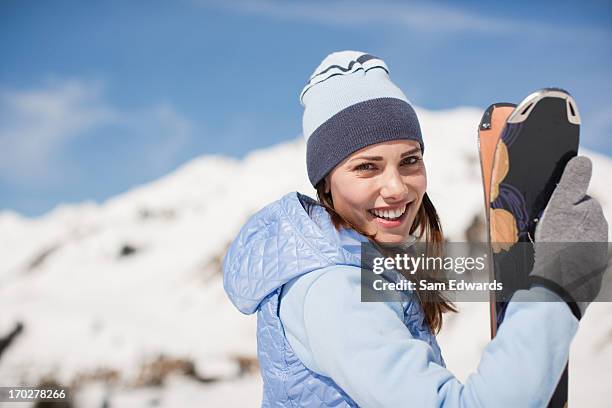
{"type": "Point", "coordinates": [389, 214]}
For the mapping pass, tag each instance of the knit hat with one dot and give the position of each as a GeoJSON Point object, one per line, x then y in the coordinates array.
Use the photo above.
{"type": "Point", "coordinates": [350, 103]}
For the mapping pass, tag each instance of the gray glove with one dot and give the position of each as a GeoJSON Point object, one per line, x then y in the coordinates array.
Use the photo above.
{"type": "Point", "coordinates": [571, 249]}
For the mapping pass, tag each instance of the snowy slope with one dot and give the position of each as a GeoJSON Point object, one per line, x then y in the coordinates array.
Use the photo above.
{"type": "Point", "coordinates": [104, 290]}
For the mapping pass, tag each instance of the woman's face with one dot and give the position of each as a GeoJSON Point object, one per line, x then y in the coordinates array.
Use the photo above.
{"type": "Point", "coordinates": [379, 188]}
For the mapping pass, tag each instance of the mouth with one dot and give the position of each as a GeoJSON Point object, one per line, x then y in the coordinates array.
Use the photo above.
{"type": "Point", "coordinates": [390, 216]}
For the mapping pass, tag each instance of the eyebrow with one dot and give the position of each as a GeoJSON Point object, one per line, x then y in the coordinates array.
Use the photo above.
{"type": "Point", "coordinates": [379, 158]}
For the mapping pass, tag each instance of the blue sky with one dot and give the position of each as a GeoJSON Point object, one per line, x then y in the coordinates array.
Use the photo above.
{"type": "Point", "coordinates": [97, 97]}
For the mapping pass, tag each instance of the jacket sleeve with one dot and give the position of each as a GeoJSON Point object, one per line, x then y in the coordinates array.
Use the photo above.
{"type": "Point", "coordinates": [369, 352]}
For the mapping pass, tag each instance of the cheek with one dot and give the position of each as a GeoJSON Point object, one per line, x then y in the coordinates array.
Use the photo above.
{"type": "Point", "coordinates": [353, 198]}
{"type": "Point", "coordinates": [421, 186]}
{"type": "Point", "coordinates": [419, 182]}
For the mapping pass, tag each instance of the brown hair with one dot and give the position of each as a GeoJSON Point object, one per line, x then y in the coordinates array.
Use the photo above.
{"type": "Point", "coordinates": [426, 225]}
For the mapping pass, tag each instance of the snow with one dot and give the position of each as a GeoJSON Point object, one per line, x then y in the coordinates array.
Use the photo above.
{"type": "Point", "coordinates": [85, 308]}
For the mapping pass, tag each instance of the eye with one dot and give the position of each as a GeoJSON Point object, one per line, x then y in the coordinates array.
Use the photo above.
{"type": "Point", "coordinates": [411, 160]}
{"type": "Point", "coordinates": [364, 167]}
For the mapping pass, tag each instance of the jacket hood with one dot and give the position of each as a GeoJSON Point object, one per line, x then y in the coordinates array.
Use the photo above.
{"type": "Point", "coordinates": [287, 238]}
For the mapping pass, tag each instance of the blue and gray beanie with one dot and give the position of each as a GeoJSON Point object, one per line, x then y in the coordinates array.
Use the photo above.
{"type": "Point", "coordinates": [350, 103]}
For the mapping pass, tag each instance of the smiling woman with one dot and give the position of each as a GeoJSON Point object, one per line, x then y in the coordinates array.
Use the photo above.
{"type": "Point", "coordinates": [297, 264]}
{"type": "Point", "coordinates": [379, 189]}
{"type": "Point", "coordinates": [380, 192]}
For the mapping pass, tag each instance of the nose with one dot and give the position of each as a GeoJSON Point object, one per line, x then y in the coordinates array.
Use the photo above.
{"type": "Point", "coordinates": [393, 186]}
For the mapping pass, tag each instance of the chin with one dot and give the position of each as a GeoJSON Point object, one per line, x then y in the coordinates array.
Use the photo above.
{"type": "Point", "coordinates": [389, 238]}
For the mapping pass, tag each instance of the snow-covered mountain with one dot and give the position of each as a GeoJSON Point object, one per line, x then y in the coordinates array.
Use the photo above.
{"type": "Point", "coordinates": [118, 296]}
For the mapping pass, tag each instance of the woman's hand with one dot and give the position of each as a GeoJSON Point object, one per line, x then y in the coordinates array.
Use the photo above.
{"type": "Point", "coordinates": [571, 249]}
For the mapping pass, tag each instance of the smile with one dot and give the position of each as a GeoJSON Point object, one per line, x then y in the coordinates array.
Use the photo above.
{"type": "Point", "coordinates": [392, 214]}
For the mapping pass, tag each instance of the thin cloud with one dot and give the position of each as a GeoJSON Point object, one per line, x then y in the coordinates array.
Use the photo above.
{"type": "Point", "coordinates": [429, 17]}
{"type": "Point", "coordinates": [36, 123]}
{"type": "Point", "coordinates": [37, 127]}
{"type": "Point", "coordinates": [169, 132]}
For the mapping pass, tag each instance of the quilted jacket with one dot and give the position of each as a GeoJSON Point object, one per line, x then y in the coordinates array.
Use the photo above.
{"type": "Point", "coordinates": [288, 238]}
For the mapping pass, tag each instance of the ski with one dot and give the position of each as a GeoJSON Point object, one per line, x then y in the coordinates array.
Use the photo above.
{"type": "Point", "coordinates": [531, 149]}
{"type": "Point", "coordinates": [489, 131]}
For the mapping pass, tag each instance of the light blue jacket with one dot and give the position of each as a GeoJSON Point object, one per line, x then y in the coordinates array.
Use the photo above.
{"type": "Point", "coordinates": [318, 345]}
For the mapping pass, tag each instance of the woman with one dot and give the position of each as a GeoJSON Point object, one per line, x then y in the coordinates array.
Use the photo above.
{"type": "Point", "coordinates": [297, 264]}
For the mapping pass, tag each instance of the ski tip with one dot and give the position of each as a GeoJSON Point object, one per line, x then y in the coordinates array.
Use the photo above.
{"type": "Point", "coordinates": [556, 89]}
{"type": "Point", "coordinates": [485, 121]}
{"type": "Point", "coordinates": [524, 109]}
